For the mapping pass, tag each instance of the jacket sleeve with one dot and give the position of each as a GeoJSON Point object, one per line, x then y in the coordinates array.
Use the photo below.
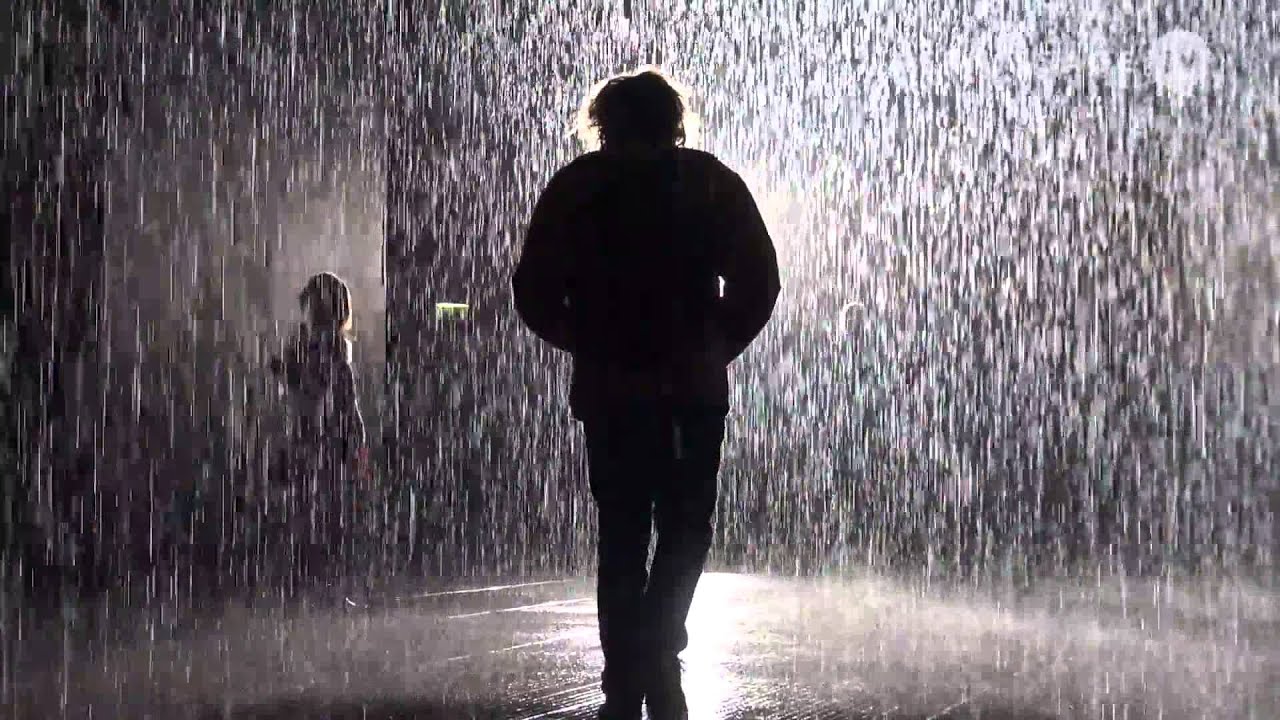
{"type": "Point", "coordinates": [749, 266]}
{"type": "Point", "coordinates": [541, 280]}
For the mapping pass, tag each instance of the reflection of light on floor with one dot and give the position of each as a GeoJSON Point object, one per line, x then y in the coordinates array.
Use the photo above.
{"type": "Point", "coordinates": [576, 637]}
{"type": "Point", "coordinates": [552, 605]}
{"type": "Point", "coordinates": [760, 646]}
{"type": "Point", "coordinates": [484, 589]}
{"type": "Point", "coordinates": [717, 626]}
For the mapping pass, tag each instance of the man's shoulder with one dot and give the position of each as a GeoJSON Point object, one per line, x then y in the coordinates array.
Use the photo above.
{"type": "Point", "coordinates": [705, 161]}
{"type": "Point", "coordinates": [588, 161]}
{"type": "Point", "coordinates": [583, 168]}
{"type": "Point", "coordinates": [707, 171]}
{"type": "Point", "coordinates": [700, 156]}
{"type": "Point", "coordinates": [590, 168]}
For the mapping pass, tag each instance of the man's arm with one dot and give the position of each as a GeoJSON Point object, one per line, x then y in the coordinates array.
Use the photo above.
{"type": "Point", "coordinates": [749, 266]}
{"type": "Point", "coordinates": [541, 280]}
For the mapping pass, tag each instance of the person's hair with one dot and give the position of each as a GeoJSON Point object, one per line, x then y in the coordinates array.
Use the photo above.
{"type": "Point", "coordinates": [326, 300]}
{"type": "Point", "coordinates": [645, 106]}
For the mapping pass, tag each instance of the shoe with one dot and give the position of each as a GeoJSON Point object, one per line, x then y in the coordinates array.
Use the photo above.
{"type": "Point", "coordinates": [665, 697]}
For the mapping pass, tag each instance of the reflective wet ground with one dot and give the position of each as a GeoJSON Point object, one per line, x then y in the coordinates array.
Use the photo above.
{"type": "Point", "coordinates": [762, 647]}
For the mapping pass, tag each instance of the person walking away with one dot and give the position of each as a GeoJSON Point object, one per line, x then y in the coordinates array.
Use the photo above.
{"type": "Point", "coordinates": [650, 264]}
{"type": "Point", "coordinates": [326, 455]}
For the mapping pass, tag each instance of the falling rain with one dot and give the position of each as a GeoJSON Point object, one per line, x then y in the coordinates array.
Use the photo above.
{"type": "Point", "coordinates": [1007, 448]}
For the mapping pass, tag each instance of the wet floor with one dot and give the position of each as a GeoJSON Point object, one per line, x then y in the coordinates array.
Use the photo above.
{"type": "Point", "coordinates": [761, 647]}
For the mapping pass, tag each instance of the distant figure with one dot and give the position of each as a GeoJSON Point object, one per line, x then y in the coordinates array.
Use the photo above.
{"type": "Point", "coordinates": [650, 264]}
{"type": "Point", "coordinates": [326, 453]}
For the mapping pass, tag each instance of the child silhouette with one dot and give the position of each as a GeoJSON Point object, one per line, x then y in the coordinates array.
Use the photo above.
{"type": "Point", "coordinates": [326, 448]}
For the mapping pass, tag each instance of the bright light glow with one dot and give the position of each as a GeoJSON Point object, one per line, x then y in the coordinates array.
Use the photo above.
{"type": "Point", "coordinates": [717, 629]}
{"type": "Point", "coordinates": [776, 205]}
{"type": "Point", "coordinates": [1179, 61]}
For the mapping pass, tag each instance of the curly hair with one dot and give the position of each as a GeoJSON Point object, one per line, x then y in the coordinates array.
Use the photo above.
{"type": "Point", "coordinates": [645, 106]}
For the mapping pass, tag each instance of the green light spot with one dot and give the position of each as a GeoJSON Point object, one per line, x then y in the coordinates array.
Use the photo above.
{"type": "Point", "coordinates": [451, 310]}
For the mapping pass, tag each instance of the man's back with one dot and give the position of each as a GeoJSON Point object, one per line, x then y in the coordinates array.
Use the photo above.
{"type": "Point", "coordinates": [646, 282]}
{"type": "Point", "coordinates": [623, 268]}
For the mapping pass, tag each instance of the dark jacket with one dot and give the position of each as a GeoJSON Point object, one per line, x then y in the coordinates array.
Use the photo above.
{"type": "Point", "coordinates": [622, 268]}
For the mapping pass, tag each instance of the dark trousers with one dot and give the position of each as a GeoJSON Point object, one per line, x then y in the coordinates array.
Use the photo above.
{"type": "Point", "coordinates": [646, 466]}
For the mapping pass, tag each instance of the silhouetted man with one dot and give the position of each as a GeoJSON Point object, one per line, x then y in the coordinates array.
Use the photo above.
{"type": "Point", "coordinates": [650, 264]}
